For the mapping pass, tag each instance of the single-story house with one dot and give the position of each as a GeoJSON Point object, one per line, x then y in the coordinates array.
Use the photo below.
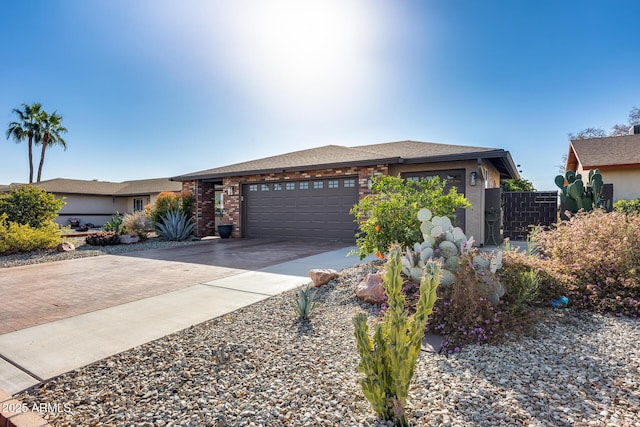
{"type": "Point", "coordinates": [308, 194]}
{"type": "Point", "coordinates": [96, 201]}
{"type": "Point", "coordinates": [617, 157]}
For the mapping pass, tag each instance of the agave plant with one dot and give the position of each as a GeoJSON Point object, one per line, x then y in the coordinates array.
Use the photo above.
{"type": "Point", "coordinates": [305, 303]}
{"type": "Point", "coordinates": [175, 225]}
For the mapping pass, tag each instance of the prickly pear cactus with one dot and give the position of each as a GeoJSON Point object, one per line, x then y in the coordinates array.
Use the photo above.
{"type": "Point", "coordinates": [575, 195]}
{"type": "Point", "coordinates": [442, 241]}
{"type": "Point", "coordinates": [447, 244]}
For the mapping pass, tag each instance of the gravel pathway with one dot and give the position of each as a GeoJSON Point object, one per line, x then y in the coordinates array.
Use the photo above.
{"type": "Point", "coordinates": [83, 250]}
{"type": "Point", "coordinates": [258, 366]}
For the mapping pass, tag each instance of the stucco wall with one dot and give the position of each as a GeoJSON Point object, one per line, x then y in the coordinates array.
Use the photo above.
{"type": "Point", "coordinates": [91, 209]}
{"type": "Point", "coordinates": [626, 183]}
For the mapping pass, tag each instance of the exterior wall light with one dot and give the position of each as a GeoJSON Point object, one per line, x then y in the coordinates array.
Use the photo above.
{"type": "Point", "coordinates": [472, 178]}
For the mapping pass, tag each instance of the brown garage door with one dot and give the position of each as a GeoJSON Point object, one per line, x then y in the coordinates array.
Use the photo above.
{"type": "Point", "coordinates": [454, 178]}
{"type": "Point", "coordinates": [309, 209]}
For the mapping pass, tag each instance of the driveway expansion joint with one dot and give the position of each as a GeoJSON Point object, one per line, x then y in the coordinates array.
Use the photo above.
{"type": "Point", "coordinates": [25, 370]}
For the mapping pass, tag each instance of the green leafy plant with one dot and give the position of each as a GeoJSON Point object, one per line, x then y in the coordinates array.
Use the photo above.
{"type": "Point", "coordinates": [103, 238]}
{"type": "Point", "coordinates": [388, 359]}
{"type": "Point", "coordinates": [114, 224]}
{"type": "Point", "coordinates": [389, 214]}
{"type": "Point", "coordinates": [175, 225]}
{"type": "Point", "coordinates": [627, 206]}
{"type": "Point", "coordinates": [30, 205]}
{"type": "Point", "coordinates": [516, 185]}
{"type": "Point", "coordinates": [305, 302]}
{"type": "Point", "coordinates": [16, 237]}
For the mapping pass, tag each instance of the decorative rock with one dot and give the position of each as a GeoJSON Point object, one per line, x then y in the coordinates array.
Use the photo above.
{"type": "Point", "coordinates": [66, 247]}
{"type": "Point", "coordinates": [322, 276]}
{"type": "Point", "coordinates": [371, 290]}
{"type": "Point", "coordinates": [127, 239]}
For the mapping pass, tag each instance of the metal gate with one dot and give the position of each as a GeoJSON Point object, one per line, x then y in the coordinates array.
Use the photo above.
{"type": "Point", "coordinates": [522, 210]}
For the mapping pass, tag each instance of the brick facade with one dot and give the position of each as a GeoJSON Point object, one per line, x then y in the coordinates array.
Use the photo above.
{"type": "Point", "coordinates": [204, 206]}
{"type": "Point", "coordinates": [205, 199]}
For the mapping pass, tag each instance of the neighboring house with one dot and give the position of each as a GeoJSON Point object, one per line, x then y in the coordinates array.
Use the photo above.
{"type": "Point", "coordinates": [617, 157]}
{"type": "Point", "coordinates": [96, 201]}
{"type": "Point", "coordinates": [308, 194]}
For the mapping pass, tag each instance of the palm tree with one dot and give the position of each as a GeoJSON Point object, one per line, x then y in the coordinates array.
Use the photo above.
{"type": "Point", "coordinates": [51, 129]}
{"type": "Point", "coordinates": [27, 127]}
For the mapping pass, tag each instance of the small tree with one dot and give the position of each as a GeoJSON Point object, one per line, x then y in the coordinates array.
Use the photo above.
{"type": "Point", "coordinates": [517, 185]}
{"type": "Point", "coordinates": [390, 213]}
{"type": "Point", "coordinates": [30, 205]}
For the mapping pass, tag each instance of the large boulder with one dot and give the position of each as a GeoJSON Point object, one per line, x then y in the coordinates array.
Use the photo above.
{"type": "Point", "coordinates": [66, 247]}
{"type": "Point", "coordinates": [322, 276]}
{"type": "Point", "coordinates": [371, 290]}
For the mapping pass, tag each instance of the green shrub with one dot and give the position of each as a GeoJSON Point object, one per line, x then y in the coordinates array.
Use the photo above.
{"type": "Point", "coordinates": [598, 256]}
{"type": "Point", "coordinates": [30, 205]}
{"type": "Point", "coordinates": [390, 213]}
{"type": "Point", "coordinates": [627, 206]}
{"type": "Point", "coordinates": [388, 360]}
{"type": "Point", "coordinates": [15, 237]}
{"type": "Point", "coordinates": [137, 223]}
{"type": "Point", "coordinates": [168, 201]}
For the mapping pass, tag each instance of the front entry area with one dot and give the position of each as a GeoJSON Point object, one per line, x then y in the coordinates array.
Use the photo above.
{"type": "Point", "coordinates": [301, 209]}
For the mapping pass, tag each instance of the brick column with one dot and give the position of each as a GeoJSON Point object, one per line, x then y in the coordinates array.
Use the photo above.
{"type": "Point", "coordinates": [204, 215]}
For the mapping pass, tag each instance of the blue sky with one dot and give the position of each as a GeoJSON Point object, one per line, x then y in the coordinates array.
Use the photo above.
{"type": "Point", "coordinates": [160, 88]}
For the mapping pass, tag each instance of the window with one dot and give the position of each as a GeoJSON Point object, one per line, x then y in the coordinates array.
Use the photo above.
{"type": "Point", "coordinates": [264, 187]}
{"type": "Point", "coordinates": [138, 205]}
{"type": "Point", "coordinates": [253, 187]}
{"type": "Point", "coordinates": [304, 185]}
{"type": "Point", "coordinates": [317, 185]}
{"type": "Point", "coordinates": [290, 186]}
{"type": "Point", "coordinates": [332, 184]}
{"type": "Point", "coordinates": [349, 183]}
{"type": "Point", "coordinates": [277, 187]}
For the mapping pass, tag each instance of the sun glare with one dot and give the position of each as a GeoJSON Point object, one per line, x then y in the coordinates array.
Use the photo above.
{"type": "Point", "coordinates": [288, 58]}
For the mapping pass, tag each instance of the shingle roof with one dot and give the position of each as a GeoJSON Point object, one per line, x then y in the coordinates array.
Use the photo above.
{"type": "Point", "coordinates": [603, 152]}
{"type": "Point", "coordinates": [105, 188]}
{"type": "Point", "coordinates": [337, 155]}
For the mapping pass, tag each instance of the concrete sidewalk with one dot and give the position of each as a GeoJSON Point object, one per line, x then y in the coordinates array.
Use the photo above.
{"type": "Point", "coordinates": [33, 355]}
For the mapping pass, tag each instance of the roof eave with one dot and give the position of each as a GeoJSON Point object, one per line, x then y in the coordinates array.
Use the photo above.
{"type": "Point", "coordinates": [501, 159]}
{"type": "Point", "coordinates": [193, 177]}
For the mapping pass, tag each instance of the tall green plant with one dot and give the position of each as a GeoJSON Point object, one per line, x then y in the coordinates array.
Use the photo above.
{"type": "Point", "coordinates": [388, 360]}
{"type": "Point", "coordinates": [390, 213]}
{"type": "Point", "coordinates": [27, 127]}
{"type": "Point", "coordinates": [51, 134]}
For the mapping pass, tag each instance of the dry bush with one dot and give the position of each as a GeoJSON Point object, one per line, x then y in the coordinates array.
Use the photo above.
{"type": "Point", "coordinates": [597, 255]}
{"type": "Point", "coordinates": [138, 223]}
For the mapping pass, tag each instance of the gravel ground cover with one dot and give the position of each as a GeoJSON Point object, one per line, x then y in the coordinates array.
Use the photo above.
{"type": "Point", "coordinates": [83, 250]}
{"type": "Point", "coordinates": [258, 366]}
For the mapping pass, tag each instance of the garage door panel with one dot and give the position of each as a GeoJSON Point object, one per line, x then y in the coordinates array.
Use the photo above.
{"type": "Point", "coordinates": [299, 212]}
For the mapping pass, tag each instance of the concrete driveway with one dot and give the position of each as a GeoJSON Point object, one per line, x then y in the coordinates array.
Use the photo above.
{"type": "Point", "coordinates": [44, 293]}
{"type": "Point", "coordinates": [63, 315]}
